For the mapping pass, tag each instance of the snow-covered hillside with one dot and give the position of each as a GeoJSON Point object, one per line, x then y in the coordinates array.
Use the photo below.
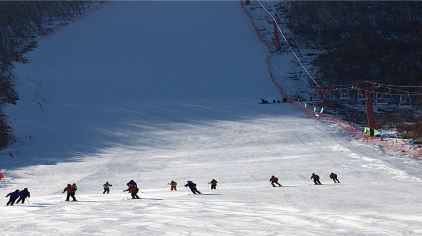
{"type": "Point", "coordinates": [161, 91]}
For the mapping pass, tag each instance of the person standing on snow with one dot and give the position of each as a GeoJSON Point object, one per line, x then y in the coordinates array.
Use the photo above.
{"type": "Point", "coordinates": [133, 190]}
{"type": "Point", "coordinates": [23, 195]}
{"type": "Point", "coordinates": [173, 185]}
{"type": "Point", "coordinates": [13, 196]}
{"type": "Point", "coordinates": [333, 176]}
{"type": "Point", "coordinates": [192, 187]}
{"type": "Point", "coordinates": [274, 180]}
{"type": "Point", "coordinates": [107, 186]}
{"type": "Point", "coordinates": [71, 191]}
{"type": "Point", "coordinates": [213, 184]}
{"type": "Point", "coordinates": [316, 179]}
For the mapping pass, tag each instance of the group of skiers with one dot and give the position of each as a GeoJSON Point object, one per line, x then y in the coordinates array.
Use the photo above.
{"type": "Point", "coordinates": [70, 189]}
{"type": "Point", "coordinates": [192, 186]}
{"type": "Point", "coordinates": [18, 195]}
{"type": "Point", "coordinates": [333, 176]}
{"type": "Point", "coordinates": [133, 189]}
{"type": "Point", "coordinates": [265, 101]}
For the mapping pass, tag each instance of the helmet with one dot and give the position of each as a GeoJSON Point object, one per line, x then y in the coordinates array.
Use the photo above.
{"type": "Point", "coordinates": [25, 189]}
{"type": "Point", "coordinates": [17, 190]}
{"type": "Point", "coordinates": [69, 185]}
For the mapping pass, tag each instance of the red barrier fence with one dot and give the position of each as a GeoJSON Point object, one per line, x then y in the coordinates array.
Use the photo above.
{"type": "Point", "coordinates": [392, 145]}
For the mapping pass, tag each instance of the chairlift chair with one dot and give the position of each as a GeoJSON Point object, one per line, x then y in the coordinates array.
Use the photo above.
{"type": "Point", "coordinates": [379, 99]}
{"type": "Point", "coordinates": [344, 94]}
{"type": "Point", "coordinates": [388, 96]}
{"type": "Point", "coordinates": [361, 95]}
{"type": "Point", "coordinates": [405, 100]}
{"type": "Point", "coordinates": [330, 95]}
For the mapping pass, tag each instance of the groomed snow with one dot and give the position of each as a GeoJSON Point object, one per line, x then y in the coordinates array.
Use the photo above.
{"type": "Point", "coordinates": [155, 91]}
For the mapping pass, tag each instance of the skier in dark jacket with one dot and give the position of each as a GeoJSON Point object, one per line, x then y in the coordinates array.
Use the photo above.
{"type": "Point", "coordinates": [13, 196]}
{"type": "Point", "coordinates": [23, 195]}
{"type": "Point", "coordinates": [274, 180]}
{"type": "Point", "coordinates": [132, 183]}
{"type": "Point", "coordinates": [133, 190]}
{"type": "Point", "coordinates": [316, 179]}
{"type": "Point", "coordinates": [71, 191]}
{"type": "Point", "coordinates": [107, 186]}
{"type": "Point", "coordinates": [192, 187]}
{"type": "Point", "coordinates": [213, 184]}
{"type": "Point", "coordinates": [333, 176]}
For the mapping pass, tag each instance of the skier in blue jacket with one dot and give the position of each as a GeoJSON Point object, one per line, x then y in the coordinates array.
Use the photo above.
{"type": "Point", "coordinates": [192, 187]}
{"type": "Point", "coordinates": [23, 195]}
{"type": "Point", "coordinates": [13, 196]}
{"type": "Point", "coordinates": [316, 179]}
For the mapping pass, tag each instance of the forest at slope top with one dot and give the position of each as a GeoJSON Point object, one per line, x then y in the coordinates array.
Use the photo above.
{"type": "Point", "coordinates": [365, 41]}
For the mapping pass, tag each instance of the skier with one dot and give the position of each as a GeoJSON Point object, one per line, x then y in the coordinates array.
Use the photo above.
{"type": "Point", "coordinates": [274, 180]}
{"type": "Point", "coordinates": [13, 196]}
{"type": "Point", "coordinates": [74, 187]}
{"type": "Point", "coordinates": [213, 184]}
{"type": "Point", "coordinates": [133, 190]}
{"type": "Point", "coordinates": [192, 187]}
{"type": "Point", "coordinates": [70, 190]}
{"type": "Point", "coordinates": [173, 185]}
{"type": "Point", "coordinates": [333, 176]}
{"type": "Point", "coordinates": [132, 183]}
{"type": "Point", "coordinates": [23, 195]}
{"type": "Point", "coordinates": [316, 179]}
{"type": "Point", "coordinates": [107, 186]}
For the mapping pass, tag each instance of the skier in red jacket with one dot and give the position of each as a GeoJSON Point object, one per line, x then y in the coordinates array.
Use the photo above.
{"type": "Point", "coordinates": [173, 185]}
{"type": "Point", "coordinates": [133, 190]}
{"type": "Point", "coordinates": [333, 176]}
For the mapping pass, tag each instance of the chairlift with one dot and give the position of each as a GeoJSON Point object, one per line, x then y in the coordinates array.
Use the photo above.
{"type": "Point", "coordinates": [361, 95]}
{"type": "Point", "coordinates": [344, 94]}
{"type": "Point", "coordinates": [379, 99]}
{"type": "Point", "coordinates": [384, 98]}
{"type": "Point", "coordinates": [388, 96]}
{"type": "Point", "coordinates": [330, 95]}
{"type": "Point", "coordinates": [405, 100]}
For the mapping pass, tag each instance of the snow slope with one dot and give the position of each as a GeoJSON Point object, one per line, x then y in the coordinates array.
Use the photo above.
{"type": "Point", "coordinates": [155, 91]}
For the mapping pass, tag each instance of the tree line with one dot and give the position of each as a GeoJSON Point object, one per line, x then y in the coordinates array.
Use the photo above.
{"type": "Point", "coordinates": [20, 24]}
{"type": "Point", "coordinates": [363, 40]}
